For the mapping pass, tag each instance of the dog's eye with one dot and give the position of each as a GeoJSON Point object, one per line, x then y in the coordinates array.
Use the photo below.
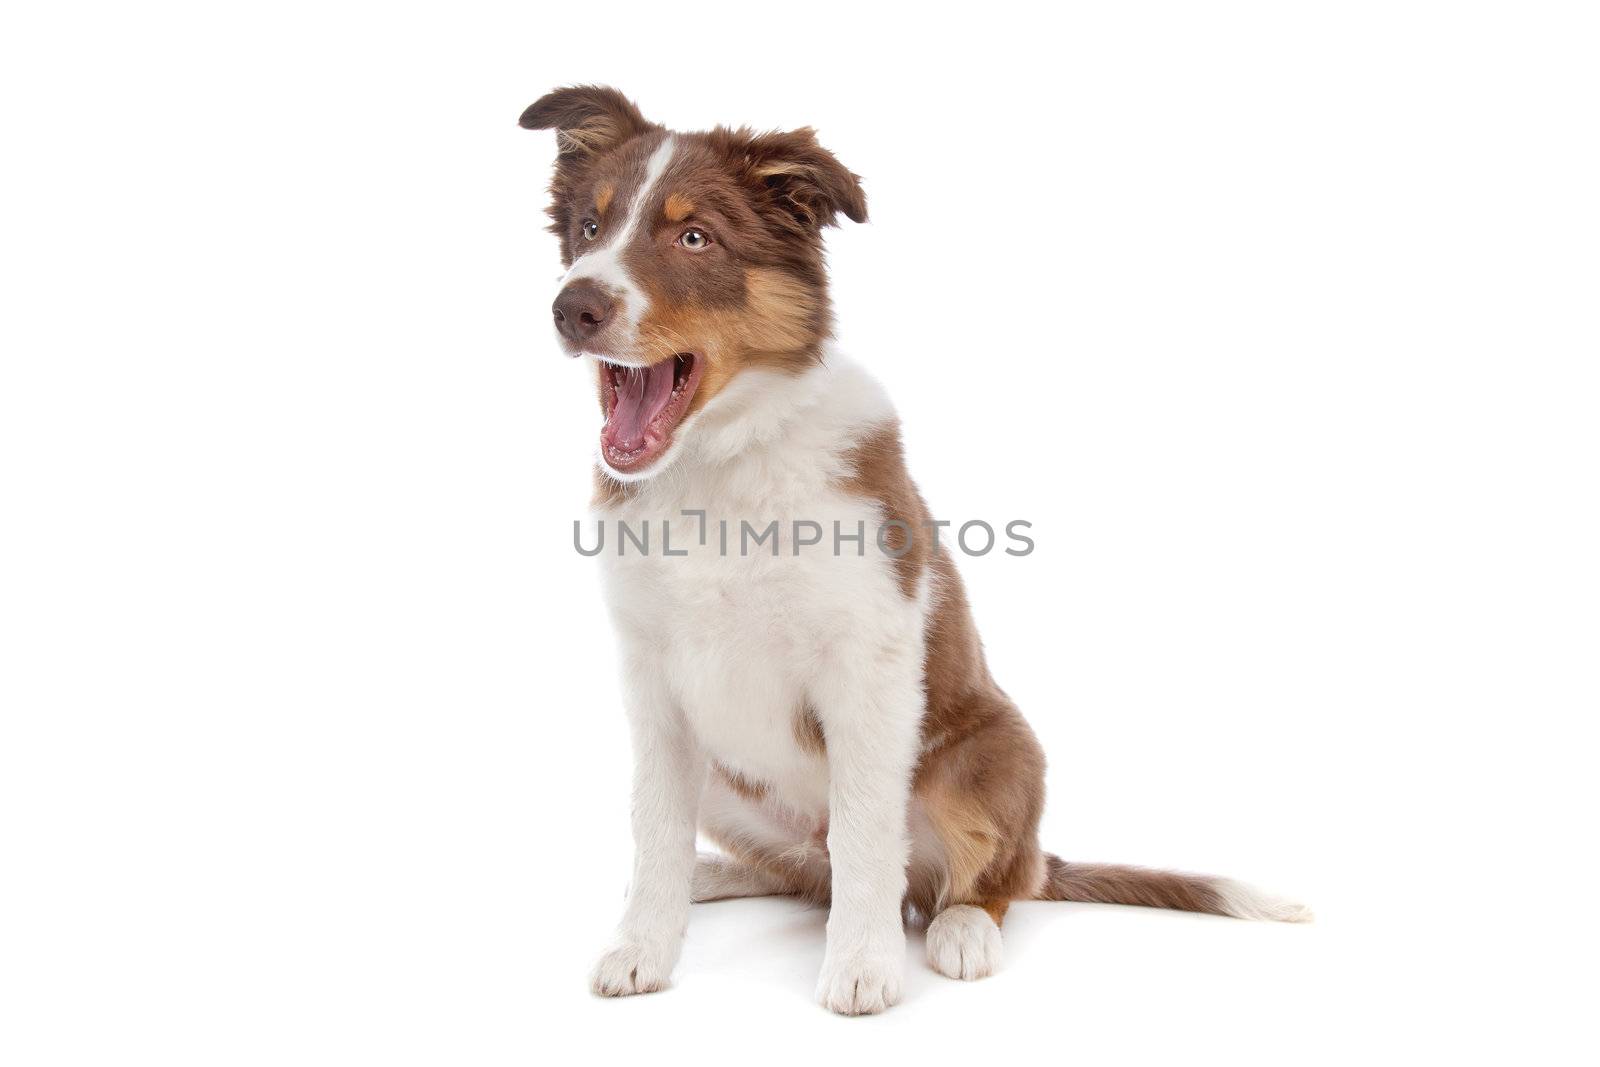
{"type": "Point", "coordinates": [694, 240]}
{"type": "Point", "coordinates": [591, 229]}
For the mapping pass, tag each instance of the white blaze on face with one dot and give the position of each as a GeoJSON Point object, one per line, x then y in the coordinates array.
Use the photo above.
{"type": "Point", "coordinates": [602, 263]}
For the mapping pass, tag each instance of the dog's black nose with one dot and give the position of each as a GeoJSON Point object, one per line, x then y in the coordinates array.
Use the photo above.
{"type": "Point", "coordinates": [581, 309]}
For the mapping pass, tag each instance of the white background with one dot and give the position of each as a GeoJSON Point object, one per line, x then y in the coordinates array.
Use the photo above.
{"type": "Point", "coordinates": [1278, 321]}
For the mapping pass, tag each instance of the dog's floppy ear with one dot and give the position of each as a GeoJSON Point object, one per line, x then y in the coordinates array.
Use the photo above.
{"type": "Point", "coordinates": [588, 120]}
{"type": "Point", "coordinates": [805, 179]}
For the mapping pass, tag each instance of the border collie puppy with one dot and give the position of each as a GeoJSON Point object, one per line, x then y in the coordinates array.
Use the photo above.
{"type": "Point", "coordinates": [817, 705]}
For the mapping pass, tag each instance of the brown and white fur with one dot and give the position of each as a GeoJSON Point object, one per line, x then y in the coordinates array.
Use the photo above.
{"type": "Point", "coordinates": [827, 718]}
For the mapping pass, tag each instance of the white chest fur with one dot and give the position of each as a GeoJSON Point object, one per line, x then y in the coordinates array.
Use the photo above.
{"type": "Point", "coordinates": [738, 631]}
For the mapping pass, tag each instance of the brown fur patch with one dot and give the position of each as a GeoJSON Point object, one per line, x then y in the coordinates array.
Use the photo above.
{"type": "Point", "coordinates": [770, 329]}
{"type": "Point", "coordinates": [677, 208]}
{"type": "Point", "coordinates": [984, 793]}
{"type": "Point", "coordinates": [962, 694]}
{"type": "Point", "coordinates": [970, 838]}
{"type": "Point", "coordinates": [997, 909]}
{"type": "Point", "coordinates": [1105, 883]}
{"type": "Point", "coordinates": [809, 182]}
{"type": "Point", "coordinates": [603, 195]}
{"type": "Point", "coordinates": [754, 792]}
{"type": "Point", "coordinates": [808, 732]}
{"type": "Point", "coordinates": [879, 474]}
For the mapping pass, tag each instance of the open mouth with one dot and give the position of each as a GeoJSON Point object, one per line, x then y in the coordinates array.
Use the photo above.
{"type": "Point", "coordinates": [643, 406]}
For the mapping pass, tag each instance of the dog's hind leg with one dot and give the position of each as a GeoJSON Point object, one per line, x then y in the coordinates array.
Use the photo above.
{"type": "Point", "coordinates": [724, 878]}
{"type": "Point", "coordinates": [981, 797]}
{"type": "Point", "coordinates": [769, 851]}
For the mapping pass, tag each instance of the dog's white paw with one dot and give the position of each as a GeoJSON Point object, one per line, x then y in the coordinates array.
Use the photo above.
{"type": "Point", "coordinates": [861, 983]}
{"type": "Point", "coordinates": [630, 967]}
{"type": "Point", "coordinates": [963, 942]}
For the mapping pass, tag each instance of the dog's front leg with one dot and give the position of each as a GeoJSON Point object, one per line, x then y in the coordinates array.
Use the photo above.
{"type": "Point", "coordinates": [668, 772]}
{"type": "Point", "coordinates": [870, 718]}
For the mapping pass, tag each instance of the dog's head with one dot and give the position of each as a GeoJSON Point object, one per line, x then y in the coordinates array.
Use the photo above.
{"type": "Point", "coordinates": [691, 257]}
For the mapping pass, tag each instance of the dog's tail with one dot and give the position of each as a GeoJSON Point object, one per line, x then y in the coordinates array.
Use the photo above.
{"type": "Point", "coordinates": [1105, 883]}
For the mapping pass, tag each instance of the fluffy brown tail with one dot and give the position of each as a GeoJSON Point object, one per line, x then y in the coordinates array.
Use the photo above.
{"type": "Point", "coordinates": [1105, 883]}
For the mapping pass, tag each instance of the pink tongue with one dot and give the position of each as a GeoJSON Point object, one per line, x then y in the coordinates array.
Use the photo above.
{"type": "Point", "coordinates": [641, 395]}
